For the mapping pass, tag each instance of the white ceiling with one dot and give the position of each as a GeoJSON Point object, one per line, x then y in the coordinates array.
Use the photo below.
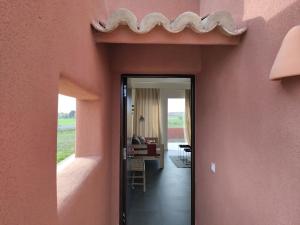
{"type": "Point", "coordinates": [173, 83]}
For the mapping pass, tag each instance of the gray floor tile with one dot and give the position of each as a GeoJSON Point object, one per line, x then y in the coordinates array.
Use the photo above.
{"type": "Point", "coordinates": [167, 200]}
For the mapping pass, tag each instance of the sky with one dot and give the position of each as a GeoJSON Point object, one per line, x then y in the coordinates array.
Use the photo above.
{"type": "Point", "coordinates": [176, 104]}
{"type": "Point", "coordinates": [66, 104]}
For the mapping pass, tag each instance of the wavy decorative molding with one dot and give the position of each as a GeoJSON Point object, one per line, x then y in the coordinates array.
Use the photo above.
{"type": "Point", "coordinates": [222, 20]}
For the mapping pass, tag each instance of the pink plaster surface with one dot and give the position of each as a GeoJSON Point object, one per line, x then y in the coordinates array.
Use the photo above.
{"type": "Point", "coordinates": [170, 8]}
{"type": "Point", "coordinates": [144, 59]}
{"type": "Point", "coordinates": [249, 125]}
{"type": "Point", "coordinates": [39, 41]}
{"type": "Point", "coordinates": [93, 134]}
{"type": "Point", "coordinates": [286, 63]}
{"type": "Point", "coordinates": [78, 194]}
{"type": "Point", "coordinates": [246, 124]}
{"type": "Point", "coordinates": [79, 169]}
{"type": "Point", "coordinates": [159, 59]}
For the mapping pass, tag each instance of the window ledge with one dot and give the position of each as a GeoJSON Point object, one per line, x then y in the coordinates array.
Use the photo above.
{"type": "Point", "coordinates": [71, 175]}
{"type": "Point", "coordinates": [65, 163]}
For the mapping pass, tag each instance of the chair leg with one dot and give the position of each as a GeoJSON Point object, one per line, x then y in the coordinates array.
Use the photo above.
{"type": "Point", "coordinates": [186, 156]}
{"type": "Point", "coordinates": [144, 181]}
{"type": "Point", "coordinates": [181, 154]}
{"type": "Point", "coordinates": [132, 182]}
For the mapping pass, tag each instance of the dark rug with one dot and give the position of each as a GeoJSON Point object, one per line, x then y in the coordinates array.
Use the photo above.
{"type": "Point", "coordinates": [179, 162]}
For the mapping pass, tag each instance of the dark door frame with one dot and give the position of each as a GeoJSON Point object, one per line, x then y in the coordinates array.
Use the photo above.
{"type": "Point", "coordinates": [123, 139]}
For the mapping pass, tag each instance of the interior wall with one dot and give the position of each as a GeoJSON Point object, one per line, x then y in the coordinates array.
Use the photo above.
{"type": "Point", "coordinates": [39, 41]}
{"type": "Point", "coordinates": [143, 59]}
{"type": "Point", "coordinates": [248, 124]}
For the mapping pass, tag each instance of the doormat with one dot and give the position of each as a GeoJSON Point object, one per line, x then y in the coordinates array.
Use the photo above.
{"type": "Point", "coordinates": [179, 162]}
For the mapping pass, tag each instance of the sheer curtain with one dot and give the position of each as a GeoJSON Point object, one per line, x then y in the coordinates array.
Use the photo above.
{"type": "Point", "coordinates": [187, 125]}
{"type": "Point", "coordinates": [146, 112]}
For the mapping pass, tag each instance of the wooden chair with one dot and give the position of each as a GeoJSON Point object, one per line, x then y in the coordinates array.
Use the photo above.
{"type": "Point", "coordinates": [137, 165]}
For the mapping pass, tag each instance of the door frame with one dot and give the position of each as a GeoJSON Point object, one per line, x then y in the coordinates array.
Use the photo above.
{"type": "Point", "coordinates": [123, 139]}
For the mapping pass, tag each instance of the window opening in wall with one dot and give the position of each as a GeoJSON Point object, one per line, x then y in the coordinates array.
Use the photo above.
{"type": "Point", "coordinates": [176, 112]}
{"type": "Point", "coordinates": [66, 128]}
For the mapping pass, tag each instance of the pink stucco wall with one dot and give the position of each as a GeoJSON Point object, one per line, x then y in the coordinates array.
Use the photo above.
{"type": "Point", "coordinates": [40, 40]}
{"type": "Point", "coordinates": [247, 124]}
{"type": "Point", "coordinates": [170, 8]}
{"type": "Point", "coordinates": [144, 59]}
{"type": "Point", "coordinates": [244, 122]}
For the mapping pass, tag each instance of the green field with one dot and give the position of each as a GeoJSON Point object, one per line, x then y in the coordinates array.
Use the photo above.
{"type": "Point", "coordinates": [65, 144]}
{"type": "Point", "coordinates": [65, 139]}
{"type": "Point", "coordinates": [66, 121]}
{"type": "Point", "coordinates": [175, 121]}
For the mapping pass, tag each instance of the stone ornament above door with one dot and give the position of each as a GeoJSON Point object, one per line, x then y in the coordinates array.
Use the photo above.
{"type": "Point", "coordinates": [221, 20]}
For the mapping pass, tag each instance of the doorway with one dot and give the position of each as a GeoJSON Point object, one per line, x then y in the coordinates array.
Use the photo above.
{"type": "Point", "coordinates": [156, 183]}
{"type": "Point", "coordinates": [176, 122]}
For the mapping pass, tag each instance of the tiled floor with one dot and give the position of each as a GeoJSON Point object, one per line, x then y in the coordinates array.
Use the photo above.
{"type": "Point", "coordinates": [167, 200]}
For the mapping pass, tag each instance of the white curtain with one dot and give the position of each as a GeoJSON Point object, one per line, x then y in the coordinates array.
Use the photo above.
{"type": "Point", "coordinates": [147, 112]}
{"type": "Point", "coordinates": [187, 125]}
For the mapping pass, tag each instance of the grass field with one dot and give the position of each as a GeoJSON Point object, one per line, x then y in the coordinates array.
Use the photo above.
{"type": "Point", "coordinates": [65, 144]}
{"type": "Point", "coordinates": [175, 121]}
{"type": "Point", "coordinates": [66, 121]}
{"type": "Point", "coordinates": [65, 139]}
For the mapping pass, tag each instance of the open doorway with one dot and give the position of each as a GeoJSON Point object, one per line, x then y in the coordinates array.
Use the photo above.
{"type": "Point", "coordinates": [176, 123]}
{"type": "Point", "coordinates": [157, 167]}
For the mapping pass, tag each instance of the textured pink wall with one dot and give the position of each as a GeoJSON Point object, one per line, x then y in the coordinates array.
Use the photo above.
{"type": "Point", "coordinates": [83, 181]}
{"type": "Point", "coordinates": [245, 123]}
{"type": "Point", "coordinates": [249, 125]}
{"type": "Point", "coordinates": [39, 40]}
{"type": "Point", "coordinates": [144, 59]}
{"type": "Point", "coordinates": [91, 128]}
{"type": "Point", "coordinates": [155, 59]}
{"type": "Point", "coordinates": [171, 8]}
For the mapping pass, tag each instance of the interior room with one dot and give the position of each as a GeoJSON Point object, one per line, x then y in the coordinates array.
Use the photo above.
{"type": "Point", "coordinates": [158, 151]}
